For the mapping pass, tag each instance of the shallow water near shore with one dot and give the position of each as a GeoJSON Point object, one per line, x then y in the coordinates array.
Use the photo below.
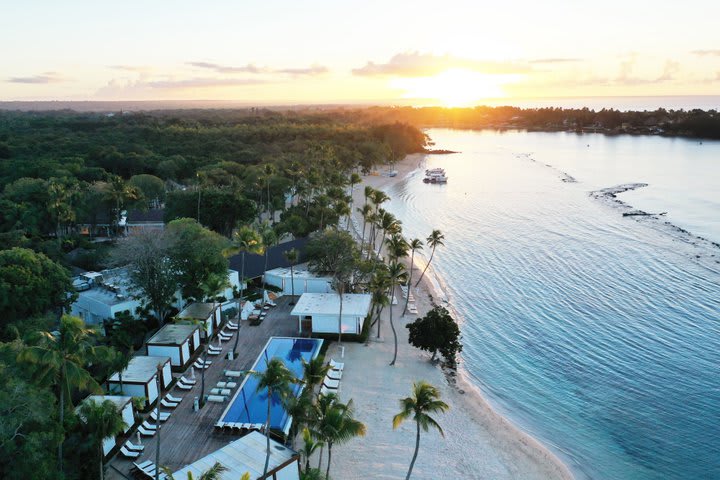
{"type": "Point", "coordinates": [596, 333]}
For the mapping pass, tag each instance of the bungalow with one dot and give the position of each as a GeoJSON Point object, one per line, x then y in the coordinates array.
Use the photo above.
{"type": "Point", "coordinates": [139, 378]}
{"type": "Point", "coordinates": [208, 313]}
{"type": "Point", "coordinates": [318, 312]}
{"type": "Point", "coordinates": [304, 281]}
{"type": "Point", "coordinates": [175, 341]}
{"type": "Point", "coordinates": [247, 455]}
{"type": "Point", "coordinates": [124, 406]}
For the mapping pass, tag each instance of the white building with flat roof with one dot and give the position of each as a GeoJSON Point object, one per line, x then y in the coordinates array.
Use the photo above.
{"type": "Point", "coordinates": [319, 312]}
{"type": "Point", "coordinates": [175, 341]}
{"type": "Point", "coordinates": [247, 455]}
{"type": "Point", "coordinates": [138, 379]}
{"type": "Point", "coordinates": [303, 280]}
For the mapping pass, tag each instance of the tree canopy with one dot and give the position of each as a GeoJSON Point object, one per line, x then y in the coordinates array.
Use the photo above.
{"type": "Point", "coordinates": [436, 332]}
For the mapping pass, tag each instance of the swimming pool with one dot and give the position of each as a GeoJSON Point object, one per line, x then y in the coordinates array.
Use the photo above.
{"type": "Point", "coordinates": [249, 405]}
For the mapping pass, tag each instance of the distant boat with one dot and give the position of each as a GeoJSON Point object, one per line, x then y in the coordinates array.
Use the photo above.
{"type": "Point", "coordinates": [435, 178]}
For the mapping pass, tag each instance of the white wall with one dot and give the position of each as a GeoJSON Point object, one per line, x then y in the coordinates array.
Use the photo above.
{"type": "Point", "coordinates": [329, 324]}
{"type": "Point", "coordinates": [128, 415]}
{"type": "Point", "coordinates": [167, 375]}
{"type": "Point", "coordinates": [131, 390]}
{"type": "Point", "coordinates": [166, 351]}
{"type": "Point", "coordinates": [185, 352]}
{"type": "Point", "coordinates": [152, 391]}
{"type": "Point", "coordinates": [290, 472]}
{"type": "Point", "coordinates": [108, 444]}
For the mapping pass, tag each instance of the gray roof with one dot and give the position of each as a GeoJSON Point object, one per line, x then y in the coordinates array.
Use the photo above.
{"type": "Point", "coordinates": [119, 400]}
{"type": "Point", "coordinates": [197, 311]}
{"type": "Point", "coordinates": [141, 369]}
{"type": "Point", "coordinates": [244, 455]}
{"type": "Point", "coordinates": [173, 334]}
{"type": "Point", "coordinates": [354, 304]}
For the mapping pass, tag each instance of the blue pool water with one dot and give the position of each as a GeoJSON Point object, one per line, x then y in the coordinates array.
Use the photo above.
{"type": "Point", "coordinates": [250, 404]}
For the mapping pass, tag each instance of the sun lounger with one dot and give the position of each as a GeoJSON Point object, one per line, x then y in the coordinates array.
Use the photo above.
{"type": "Point", "coordinates": [232, 373]}
{"type": "Point", "coordinates": [168, 404]}
{"type": "Point", "coordinates": [163, 416]}
{"type": "Point", "coordinates": [227, 384]}
{"type": "Point", "coordinates": [326, 391]}
{"type": "Point", "coordinates": [214, 353]}
{"type": "Point", "coordinates": [129, 453]}
{"type": "Point", "coordinates": [188, 381]}
{"type": "Point", "coordinates": [134, 448]}
{"type": "Point", "coordinates": [232, 327]}
{"type": "Point", "coordinates": [203, 362]}
{"type": "Point", "coordinates": [216, 398]}
{"type": "Point", "coordinates": [145, 432]}
{"type": "Point", "coordinates": [221, 391]}
{"type": "Point", "coordinates": [148, 426]}
{"type": "Point", "coordinates": [201, 366]}
{"type": "Point", "coordinates": [336, 365]}
{"type": "Point", "coordinates": [173, 399]}
{"type": "Point", "coordinates": [230, 323]}
{"type": "Point", "coordinates": [331, 384]}
{"type": "Point", "coordinates": [184, 386]}
{"type": "Point", "coordinates": [142, 465]}
{"type": "Point", "coordinates": [334, 374]}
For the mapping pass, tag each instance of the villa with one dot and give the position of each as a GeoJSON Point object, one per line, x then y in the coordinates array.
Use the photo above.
{"type": "Point", "coordinates": [125, 407]}
{"type": "Point", "coordinates": [178, 342]}
{"type": "Point", "coordinates": [318, 312]}
{"type": "Point", "coordinates": [139, 378]}
{"type": "Point", "coordinates": [300, 281]}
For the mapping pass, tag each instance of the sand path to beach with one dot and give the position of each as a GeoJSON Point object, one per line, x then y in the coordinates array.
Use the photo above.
{"type": "Point", "coordinates": [478, 442]}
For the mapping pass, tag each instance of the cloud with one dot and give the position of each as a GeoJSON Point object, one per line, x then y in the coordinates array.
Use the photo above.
{"type": "Point", "coordinates": [202, 82]}
{"type": "Point", "coordinates": [45, 78]}
{"type": "Point", "coordinates": [555, 60]}
{"type": "Point", "coordinates": [130, 68]}
{"type": "Point", "coordinates": [415, 64]}
{"type": "Point", "coordinates": [710, 53]}
{"type": "Point", "coordinates": [254, 69]}
{"type": "Point", "coordinates": [669, 72]}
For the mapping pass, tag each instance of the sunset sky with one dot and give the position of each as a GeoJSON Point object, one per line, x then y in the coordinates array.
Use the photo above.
{"type": "Point", "coordinates": [410, 52]}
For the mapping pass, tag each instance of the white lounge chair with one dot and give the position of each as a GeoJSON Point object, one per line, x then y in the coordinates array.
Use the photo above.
{"type": "Point", "coordinates": [336, 365]}
{"type": "Point", "coordinates": [163, 416]}
{"type": "Point", "coordinates": [184, 386]}
{"type": "Point", "coordinates": [232, 373]}
{"type": "Point", "coordinates": [227, 384]}
{"type": "Point", "coordinates": [201, 366]}
{"type": "Point", "coordinates": [188, 381]}
{"type": "Point", "coordinates": [173, 399]}
{"type": "Point", "coordinates": [230, 323]}
{"type": "Point", "coordinates": [134, 448]}
{"type": "Point", "coordinates": [146, 432]}
{"type": "Point", "coordinates": [129, 453]}
{"type": "Point", "coordinates": [221, 391]}
{"type": "Point", "coordinates": [331, 384]}
{"type": "Point", "coordinates": [168, 404]}
{"type": "Point", "coordinates": [326, 391]}
{"type": "Point", "coordinates": [232, 327]}
{"type": "Point", "coordinates": [203, 362]}
{"type": "Point", "coordinates": [216, 398]}
{"type": "Point", "coordinates": [214, 353]}
{"type": "Point", "coordinates": [334, 374]}
{"type": "Point", "coordinates": [148, 426]}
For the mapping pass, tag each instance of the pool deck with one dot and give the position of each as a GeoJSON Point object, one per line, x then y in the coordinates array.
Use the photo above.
{"type": "Point", "coordinates": [188, 435]}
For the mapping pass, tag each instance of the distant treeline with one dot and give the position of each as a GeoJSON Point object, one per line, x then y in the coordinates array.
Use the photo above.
{"type": "Point", "coordinates": [687, 123]}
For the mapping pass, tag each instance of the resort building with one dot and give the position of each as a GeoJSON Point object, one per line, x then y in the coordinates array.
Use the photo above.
{"type": "Point", "coordinates": [103, 295]}
{"type": "Point", "coordinates": [318, 312]}
{"type": "Point", "coordinates": [124, 406]}
{"type": "Point", "coordinates": [247, 455]}
{"type": "Point", "coordinates": [301, 279]}
{"type": "Point", "coordinates": [209, 314]}
{"type": "Point", "coordinates": [139, 378]}
{"type": "Point", "coordinates": [175, 341]}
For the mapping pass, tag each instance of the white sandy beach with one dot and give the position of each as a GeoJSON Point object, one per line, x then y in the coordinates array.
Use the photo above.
{"type": "Point", "coordinates": [479, 443]}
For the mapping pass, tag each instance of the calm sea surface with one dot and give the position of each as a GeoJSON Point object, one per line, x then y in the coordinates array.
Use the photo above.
{"type": "Point", "coordinates": [599, 334]}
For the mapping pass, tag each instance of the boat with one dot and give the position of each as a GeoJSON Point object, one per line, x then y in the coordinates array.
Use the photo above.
{"type": "Point", "coordinates": [435, 171]}
{"type": "Point", "coordinates": [435, 178]}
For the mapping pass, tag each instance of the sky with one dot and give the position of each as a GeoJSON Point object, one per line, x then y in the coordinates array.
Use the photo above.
{"type": "Point", "coordinates": [452, 53]}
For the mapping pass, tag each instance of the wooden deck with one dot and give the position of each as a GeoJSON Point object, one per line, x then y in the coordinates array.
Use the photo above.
{"type": "Point", "coordinates": [188, 435]}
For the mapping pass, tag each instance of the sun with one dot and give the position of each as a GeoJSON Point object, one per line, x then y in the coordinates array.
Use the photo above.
{"type": "Point", "coordinates": [453, 88]}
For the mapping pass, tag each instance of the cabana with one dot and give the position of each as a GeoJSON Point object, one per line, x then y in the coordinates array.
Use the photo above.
{"type": "Point", "coordinates": [208, 313]}
{"type": "Point", "coordinates": [138, 379]}
{"type": "Point", "coordinates": [175, 341]}
{"type": "Point", "coordinates": [247, 455]}
{"type": "Point", "coordinates": [318, 312]}
{"type": "Point", "coordinates": [124, 406]}
{"type": "Point", "coordinates": [304, 280]}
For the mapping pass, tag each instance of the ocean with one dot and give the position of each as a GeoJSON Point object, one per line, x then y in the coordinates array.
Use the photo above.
{"type": "Point", "coordinates": [597, 333]}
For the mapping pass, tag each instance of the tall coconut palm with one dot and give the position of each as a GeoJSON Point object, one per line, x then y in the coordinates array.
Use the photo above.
{"type": "Point", "coordinates": [434, 240]}
{"type": "Point", "coordinates": [212, 287]}
{"type": "Point", "coordinates": [118, 192]}
{"type": "Point", "coordinates": [314, 370]}
{"type": "Point", "coordinates": [365, 211]}
{"type": "Point", "coordinates": [415, 245]}
{"type": "Point", "coordinates": [277, 380]}
{"type": "Point", "coordinates": [397, 247]}
{"type": "Point", "coordinates": [341, 209]}
{"type": "Point", "coordinates": [339, 426]}
{"type": "Point", "coordinates": [268, 171]}
{"type": "Point", "coordinates": [424, 400]}
{"type": "Point", "coordinates": [245, 240]}
{"type": "Point", "coordinates": [100, 421]}
{"type": "Point", "coordinates": [292, 257]}
{"type": "Point", "coordinates": [309, 446]}
{"type": "Point", "coordinates": [59, 359]}
{"type": "Point", "coordinates": [353, 180]}
{"type": "Point", "coordinates": [389, 226]}
{"type": "Point", "coordinates": [269, 238]}
{"type": "Point", "coordinates": [118, 362]}
{"type": "Point", "coordinates": [396, 272]}
{"type": "Point", "coordinates": [379, 285]}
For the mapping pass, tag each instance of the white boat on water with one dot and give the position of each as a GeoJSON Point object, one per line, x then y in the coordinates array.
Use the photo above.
{"type": "Point", "coordinates": [435, 178]}
{"type": "Point", "coordinates": [435, 171]}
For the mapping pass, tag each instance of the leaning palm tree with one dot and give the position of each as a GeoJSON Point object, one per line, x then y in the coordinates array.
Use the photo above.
{"type": "Point", "coordinates": [433, 241]}
{"type": "Point", "coordinates": [339, 426]}
{"type": "Point", "coordinates": [415, 245]}
{"type": "Point", "coordinates": [424, 400]}
{"type": "Point", "coordinates": [100, 421]}
{"type": "Point", "coordinates": [353, 180]}
{"type": "Point", "coordinates": [277, 380]}
{"type": "Point", "coordinates": [245, 240]}
{"type": "Point", "coordinates": [396, 272]}
{"type": "Point", "coordinates": [59, 359]}
{"type": "Point", "coordinates": [292, 257]}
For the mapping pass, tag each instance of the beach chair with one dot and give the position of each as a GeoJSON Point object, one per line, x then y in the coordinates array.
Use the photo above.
{"type": "Point", "coordinates": [233, 324]}
{"type": "Point", "coordinates": [225, 336]}
{"type": "Point", "coordinates": [334, 374]}
{"type": "Point", "coordinates": [168, 404]}
{"type": "Point", "coordinates": [216, 398]}
{"type": "Point", "coordinates": [145, 432]}
{"type": "Point", "coordinates": [230, 384]}
{"type": "Point", "coordinates": [134, 448]}
{"type": "Point", "coordinates": [163, 416]}
{"type": "Point", "coordinates": [201, 366]}
{"type": "Point", "coordinates": [183, 386]}
{"type": "Point", "coordinates": [331, 384]}
{"type": "Point", "coordinates": [236, 429]}
{"type": "Point", "coordinates": [232, 373]}
{"type": "Point", "coordinates": [188, 381]}
{"type": "Point", "coordinates": [326, 391]}
{"type": "Point", "coordinates": [173, 399]}
{"type": "Point", "coordinates": [232, 327]}
{"type": "Point", "coordinates": [214, 353]}
{"type": "Point", "coordinates": [336, 365]}
{"type": "Point", "coordinates": [129, 453]}
{"type": "Point", "coordinates": [140, 466]}
{"type": "Point", "coordinates": [148, 426]}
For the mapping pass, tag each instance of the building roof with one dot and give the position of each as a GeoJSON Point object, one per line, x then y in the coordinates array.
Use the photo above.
{"type": "Point", "coordinates": [255, 264]}
{"type": "Point", "coordinates": [197, 311]}
{"type": "Point", "coordinates": [300, 271]}
{"type": "Point", "coordinates": [173, 334]}
{"type": "Point", "coordinates": [354, 304]}
{"type": "Point", "coordinates": [246, 454]}
{"type": "Point", "coordinates": [140, 369]}
{"type": "Point", "coordinates": [119, 400]}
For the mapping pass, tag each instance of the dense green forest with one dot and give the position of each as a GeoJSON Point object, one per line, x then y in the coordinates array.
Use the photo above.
{"type": "Point", "coordinates": [67, 178]}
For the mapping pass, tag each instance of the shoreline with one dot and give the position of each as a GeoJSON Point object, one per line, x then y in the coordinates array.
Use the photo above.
{"type": "Point", "coordinates": [479, 441]}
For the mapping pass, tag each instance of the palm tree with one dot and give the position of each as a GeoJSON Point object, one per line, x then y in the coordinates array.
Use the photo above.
{"type": "Point", "coordinates": [268, 171]}
{"type": "Point", "coordinates": [415, 245]}
{"type": "Point", "coordinates": [337, 425]}
{"type": "Point", "coordinates": [118, 192]}
{"type": "Point", "coordinates": [433, 241]}
{"type": "Point", "coordinates": [314, 370]}
{"type": "Point", "coordinates": [59, 360]}
{"type": "Point", "coordinates": [269, 238]}
{"type": "Point", "coordinates": [389, 225]}
{"type": "Point", "coordinates": [292, 257]}
{"type": "Point", "coordinates": [277, 380]}
{"type": "Point", "coordinates": [353, 180]}
{"type": "Point", "coordinates": [310, 445]}
{"type": "Point", "coordinates": [424, 400]}
{"type": "Point", "coordinates": [341, 209]}
{"type": "Point", "coordinates": [365, 211]}
{"type": "Point", "coordinates": [379, 286]}
{"type": "Point", "coordinates": [397, 247]}
{"type": "Point", "coordinates": [212, 473]}
{"type": "Point", "coordinates": [100, 421]}
{"type": "Point", "coordinates": [396, 272]}
{"type": "Point", "coordinates": [119, 362]}
{"type": "Point", "coordinates": [212, 287]}
{"type": "Point", "coordinates": [245, 240]}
